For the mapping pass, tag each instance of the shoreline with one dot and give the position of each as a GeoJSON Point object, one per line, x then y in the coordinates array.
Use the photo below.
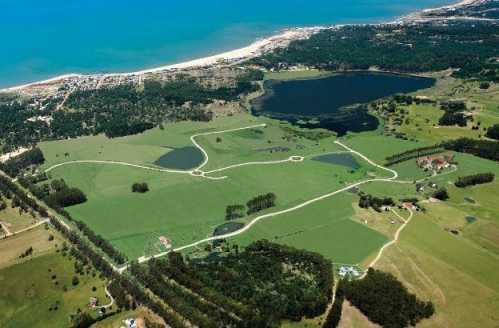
{"type": "Point", "coordinates": [255, 49]}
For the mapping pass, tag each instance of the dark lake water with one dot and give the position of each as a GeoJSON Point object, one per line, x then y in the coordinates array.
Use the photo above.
{"type": "Point", "coordinates": [334, 102]}
{"type": "Point", "coordinates": [184, 158]}
{"type": "Point", "coordinates": [342, 159]}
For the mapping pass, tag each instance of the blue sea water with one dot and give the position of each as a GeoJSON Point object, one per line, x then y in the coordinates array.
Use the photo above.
{"type": "Point", "coordinates": [46, 38]}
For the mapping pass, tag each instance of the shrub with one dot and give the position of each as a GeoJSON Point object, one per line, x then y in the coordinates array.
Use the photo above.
{"type": "Point", "coordinates": [441, 194]}
{"type": "Point", "coordinates": [140, 187]}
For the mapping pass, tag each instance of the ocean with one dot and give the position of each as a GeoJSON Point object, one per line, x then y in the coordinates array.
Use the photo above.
{"type": "Point", "coordinates": [43, 39]}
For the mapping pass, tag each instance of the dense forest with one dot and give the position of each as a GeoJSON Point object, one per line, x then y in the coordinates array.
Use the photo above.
{"type": "Point", "coordinates": [467, 47]}
{"type": "Point", "coordinates": [482, 148]}
{"type": "Point", "coordinates": [257, 287]}
{"type": "Point", "coordinates": [385, 301]}
{"type": "Point", "coordinates": [116, 111]}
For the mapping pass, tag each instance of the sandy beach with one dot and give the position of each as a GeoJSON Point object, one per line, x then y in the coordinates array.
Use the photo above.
{"type": "Point", "coordinates": [255, 49]}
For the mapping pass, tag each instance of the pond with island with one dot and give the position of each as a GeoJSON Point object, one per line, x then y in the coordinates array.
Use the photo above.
{"type": "Point", "coordinates": [336, 102]}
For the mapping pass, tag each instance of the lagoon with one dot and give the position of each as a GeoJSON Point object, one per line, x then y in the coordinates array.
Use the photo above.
{"type": "Point", "coordinates": [334, 102]}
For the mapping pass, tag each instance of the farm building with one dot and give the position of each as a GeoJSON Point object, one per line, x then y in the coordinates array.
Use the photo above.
{"type": "Point", "coordinates": [435, 162]}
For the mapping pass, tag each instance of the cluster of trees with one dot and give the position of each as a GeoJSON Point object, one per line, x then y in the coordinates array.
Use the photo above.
{"type": "Point", "coordinates": [140, 187]}
{"type": "Point", "coordinates": [233, 212]}
{"type": "Point", "coordinates": [465, 46]}
{"type": "Point", "coordinates": [26, 253]}
{"type": "Point", "coordinates": [254, 205]}
{"type": "Point", "coordinates": [271, 281]}
{"type": "Point", "coordinates": [102, 243]}
{"type": "Point", "coordinates": [66, 197]}
{"type": "Point", "coordinates": [376, 203]}
{"type": "Point", "coordinates": [493, 132]}
{"type": "Point", "coordinates": [413, 153]}
{"type": "Point", "coordinates": [453, 113]}
{"type": "Point", "coordinates": [261, 202]}
{"type": "Point", "coordinates": [18, 164]}
{"type": "Point", "coordinates": [453, 118]}
{"type": "Point", "coordinates": [385, 301]}
{"type": "Point", "coordinates": [474, 179]}
{"type": "Point", "coordinates": [441, 194]}
{"type": "Point", "coordinates": [487, 149]}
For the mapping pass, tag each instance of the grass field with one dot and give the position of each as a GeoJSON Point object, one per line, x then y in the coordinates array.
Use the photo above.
{"type": "Point", "coordinates": [14, 220]}
{"type": "Point", "coordinates": [459, 277]}
{"type": "Point", "coordinates": [325, 227]}
{"type": "Point", "coordinates": [457, 272]}
{"type": "Point", "coordinates": [11, 248]}
{"type": "Point", "coordinates": [186, 208]}
{"type": "Point", "coordinates": [28, 291]}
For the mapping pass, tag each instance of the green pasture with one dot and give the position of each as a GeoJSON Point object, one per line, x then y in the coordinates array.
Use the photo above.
{"type": "Point", "coordinates": [28, 291]}
{"type": "Point", "coordinates": [186, 208]}
{"type": "Point", "coordinates": [457, 275]}
{"type": "Point", "coordinates": [143, 148]}
{"type": "Point", "coordinates": [324, 227]}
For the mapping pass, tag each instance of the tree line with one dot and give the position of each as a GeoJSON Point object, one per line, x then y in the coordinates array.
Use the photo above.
{"type": "Point", "coordinates": [413, 153]}
{"type": "Point", "coordinates": [260, 203]}
{"type": "Point", "coordinates": [472, 180]}
{"type": "Point", "coordinates": [334, 315]}
{"type": "Point", "coordinates": [254, 205]}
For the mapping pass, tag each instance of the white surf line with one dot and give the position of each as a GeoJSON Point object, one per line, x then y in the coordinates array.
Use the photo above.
{"type": "Point", "coordinates": [393, 241]}
{"type": "Point", "coordinates": [205, 154]}
{"type": "Point", "coordinates": [291, 209]}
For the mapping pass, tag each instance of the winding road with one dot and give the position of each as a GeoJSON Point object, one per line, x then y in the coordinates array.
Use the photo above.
{"type": "Point", "coordinates": [198, 172]}
{"type": "Point", "coordinates": [291, 209]}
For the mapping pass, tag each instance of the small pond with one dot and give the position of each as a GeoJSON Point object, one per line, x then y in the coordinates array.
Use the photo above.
{"type": "Point", "coordinates": [337, 102]}
{"type": "Point", "coordinates": [227, 228]}
{"type": "Point", "coordinates": [342, 159]}
{"type": "Point", "coordinates": [184, 158]}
